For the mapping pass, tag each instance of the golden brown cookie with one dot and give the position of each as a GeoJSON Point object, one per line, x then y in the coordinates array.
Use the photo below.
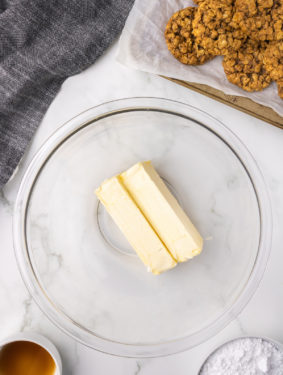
{"type": "Point", "coordinates": [211, 27]}
{"type": "Point", "coordinates": [180, 40]}
{"type": "Point", "coordinates": [259, 19]}
{"type": "Point", "coordinates": [273, 60]}
{"type": "Point", "coordinates": [280, 88]}
{"type": "Point", "coordinates": [251, 8]}
{"type": "Point", "coordinates": [245, 67]}
{"type": "Point", "coordinates": [277, 20]}
{"type": "Point", "coordinates": [198, 1]}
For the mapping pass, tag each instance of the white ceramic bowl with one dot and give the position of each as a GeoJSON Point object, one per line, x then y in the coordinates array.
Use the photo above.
{"type": "Point", "coordinates": [276, 344]}
{"type": "Point", "coordinates": [39, 340]}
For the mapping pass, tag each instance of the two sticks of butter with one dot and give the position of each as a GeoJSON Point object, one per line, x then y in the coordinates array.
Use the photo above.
{"type": "Point", "coordinates": [150, 217]}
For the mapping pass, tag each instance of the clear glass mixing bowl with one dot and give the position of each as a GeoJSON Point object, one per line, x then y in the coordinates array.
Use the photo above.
{"type": "Point", "coordinates": [82, 272]}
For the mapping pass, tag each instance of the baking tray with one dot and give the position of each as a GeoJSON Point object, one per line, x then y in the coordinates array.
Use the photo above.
{"type": "Point", "coordinates": [239, 102]}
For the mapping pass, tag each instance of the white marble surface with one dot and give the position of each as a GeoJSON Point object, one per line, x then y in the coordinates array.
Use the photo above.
{"type": "Point", "coordinates": [108, 80]}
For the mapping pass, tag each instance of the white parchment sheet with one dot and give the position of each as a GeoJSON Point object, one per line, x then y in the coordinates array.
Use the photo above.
{"type": "Point", "coordinates": [142, 46]}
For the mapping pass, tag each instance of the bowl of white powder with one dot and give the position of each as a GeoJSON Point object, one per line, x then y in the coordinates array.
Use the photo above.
{"type": "Point", "coordinates": [245, 356]}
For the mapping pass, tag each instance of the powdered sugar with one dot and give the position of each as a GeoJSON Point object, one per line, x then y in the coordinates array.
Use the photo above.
{"type": "Point", "coordinates": [245, 356]}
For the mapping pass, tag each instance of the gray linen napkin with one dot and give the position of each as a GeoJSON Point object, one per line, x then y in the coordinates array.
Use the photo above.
{"type": "Point", "coordinates": [42, 42]}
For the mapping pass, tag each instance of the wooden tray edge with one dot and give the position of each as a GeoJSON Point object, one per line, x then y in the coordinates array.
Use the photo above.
{"type": "Point", "coordinates": [241, 103]}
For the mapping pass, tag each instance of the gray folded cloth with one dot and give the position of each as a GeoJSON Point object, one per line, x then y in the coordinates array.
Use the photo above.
{"type": "Point", "coordinates": [42, 42]}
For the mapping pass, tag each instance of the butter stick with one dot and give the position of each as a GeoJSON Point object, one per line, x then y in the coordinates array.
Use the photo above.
{"type": "Point", "coordinates": [162, 211]}
{"type": "Point", "coordinates": [134, 226]}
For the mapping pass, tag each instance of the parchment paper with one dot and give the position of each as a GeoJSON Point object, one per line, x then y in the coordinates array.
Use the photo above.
{"type": "Point", "coordinates": [142, 46]}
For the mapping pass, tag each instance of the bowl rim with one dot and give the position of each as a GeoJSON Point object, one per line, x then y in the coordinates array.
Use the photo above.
{"type": "Point", "coordinates": [82, 120]}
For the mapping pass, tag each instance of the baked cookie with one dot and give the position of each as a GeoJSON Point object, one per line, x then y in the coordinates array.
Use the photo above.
{"type": "Point", "coordinates": [180, 40]}
{"type": "Point", "coordinates": [277, 20]}
{"type": "Point", "coordinates": [280, 88]}
{"type": "Point", "coordinates": [198, 1]}
{"type": "Point", "coordinates": [245, 67]}
{"type": "Point", "coordinates": [273, 60]}
{"type": "Point", "coordinates": [251, 8]}
{"type": "Point", "coordinates": [261, 20]}
{"type": "Point", "coordinates": [211, 27]}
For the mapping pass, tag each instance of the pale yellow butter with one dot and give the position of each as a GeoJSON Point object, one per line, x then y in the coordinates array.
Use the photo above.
{"type": "Point", "coordinates": [134, 226]}
{"type": "Point", "coordinates": [162, 211]}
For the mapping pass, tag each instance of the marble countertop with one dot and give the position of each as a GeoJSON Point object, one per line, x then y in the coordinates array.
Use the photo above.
{"type": "Point", "coordinates": [108, 80]}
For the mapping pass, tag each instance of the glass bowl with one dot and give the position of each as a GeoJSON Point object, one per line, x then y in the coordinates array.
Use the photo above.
{"type": "Point", "coordinates": [82, 272]}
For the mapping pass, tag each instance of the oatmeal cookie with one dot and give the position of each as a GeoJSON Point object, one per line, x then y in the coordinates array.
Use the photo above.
{"type": "Point", "coordinates": [251, 8]}
{"type": "Point", "coordinates": [211, 27]}
{"type": "Point", "coordinates": [273, 60]}
{"type": "Point", "coordinates": [245, 67]}
{"type": "Point", "coordinates": [259, 19]}
{"type": "Point", "coordinates": [181, 41]}
{"type": "Point", "coordinates": [280, 88]}
{"type": "Point", "coordinates": [277, 20]}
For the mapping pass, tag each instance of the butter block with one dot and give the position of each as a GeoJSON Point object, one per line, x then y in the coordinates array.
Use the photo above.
{"type": "Point", "coordinates": [162, 211]}
{"type": "Point", "coordinates": [134, 226]}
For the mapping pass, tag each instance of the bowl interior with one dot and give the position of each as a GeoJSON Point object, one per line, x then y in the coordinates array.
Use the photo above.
{"type": "Point", "coordinates": [72, 243]}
